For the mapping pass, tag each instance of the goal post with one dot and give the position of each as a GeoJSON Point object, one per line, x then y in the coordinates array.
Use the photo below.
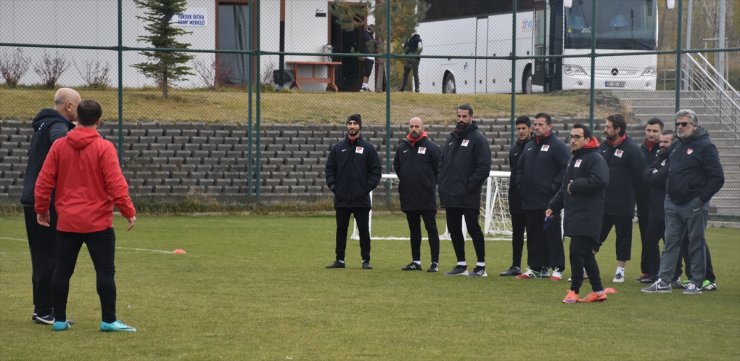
{"type": "Point", "coordinates": [495, 210]}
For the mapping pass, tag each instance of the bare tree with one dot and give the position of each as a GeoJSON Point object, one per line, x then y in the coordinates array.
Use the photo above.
{"type": "Point", "coordinates": [95, 74]}
{"type": "Point", "coordinates": [13, 66]}
{"type": "Point", "coordinates": [51, 68]}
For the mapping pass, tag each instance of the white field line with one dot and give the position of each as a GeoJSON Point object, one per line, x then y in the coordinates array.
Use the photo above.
{"type": "Point", "coordinates": [121, 248]}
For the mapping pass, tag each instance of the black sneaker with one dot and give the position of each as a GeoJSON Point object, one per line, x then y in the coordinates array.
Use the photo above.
{"type": "Point", "coordinates": [648, 279]}
{"type": "Point", "coordinates": [434, 267]}
{"type": "Point", "coordinates": [413, 266]}
{"type": "Point", "coordinates": [458, 271]}
{"type": "Point", "coordinates": [366, 265]}
{"type": "Point", "coordinates": [512, 271]}
{"type": "Point", "coordinates": [478, 271]}
{"type": "Point", "coordinates": [335, 264]}
{"type": "Point", "coordinates": [44, 319]}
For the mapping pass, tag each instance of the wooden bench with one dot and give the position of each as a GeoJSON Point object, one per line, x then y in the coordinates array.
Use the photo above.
{"type": "Point", "coordinates": [329, 80]}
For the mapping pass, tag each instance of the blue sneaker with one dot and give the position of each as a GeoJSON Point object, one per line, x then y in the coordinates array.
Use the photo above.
{"type": "Point", "coordinates": [116, 326]}
{"type": "Point", "coordinates": [60, 326]}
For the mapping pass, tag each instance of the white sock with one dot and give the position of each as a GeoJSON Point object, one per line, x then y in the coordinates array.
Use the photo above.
{"type": "Point", "coordinates": [364, 85]}
{"type": "Point", "coordinates": [417, 262]}
{"type": "Point", "coordinates": [481, 264]}
{"type": "Point", "coordinates": [620, 270]}
{"type": "Point", "coordinates": [463, 263]}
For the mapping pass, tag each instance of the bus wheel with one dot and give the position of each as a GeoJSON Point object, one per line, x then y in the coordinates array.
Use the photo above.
{"type": "Point", "coordinates": [448, 84]}
{"type": "Point", "coordinates": [527, 81]}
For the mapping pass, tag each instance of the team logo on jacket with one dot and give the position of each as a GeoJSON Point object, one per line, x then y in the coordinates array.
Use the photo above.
{"type": "Point", "coordinates": [545, 148]}
{"type": "Point", "coordinates": [465, 142]}
{"type": "Point", "coordinates": [618, 153]}
{"type": "Point", "coordinates": [422, 150]}
{"type": "Point", "coordinates": [662, 164]}
{"type": "Point", "coordinates": [359, 150]}
{"type": "Point", "coordinates": [690, 150]}
{"type": "Point", "coordinates": [578, 163]}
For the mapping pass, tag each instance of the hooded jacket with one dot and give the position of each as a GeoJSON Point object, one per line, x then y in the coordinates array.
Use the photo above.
{"type": "Point", "coordinates": [83, 169]}
{"type": "Point", "coordinates": [588, 176]}
{"type": "Point", "coordinates": [464, 166]}
{"type": "Point", "coordinates": [352, 171]}
{"type": "Point", "coordinates": [416, 165]}
{"type": "Point", "coordinates": [540, 170]}
{"type": "Point", "coordinates": [626, 165]}
{"type": "Point", "coordinates": [48, 126]}
{"type": "Point", "coordinates": [694, 169]}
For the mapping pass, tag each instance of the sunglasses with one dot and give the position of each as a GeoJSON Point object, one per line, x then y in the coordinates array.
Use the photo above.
{"type": "Point", "coordinates": [682, 124]}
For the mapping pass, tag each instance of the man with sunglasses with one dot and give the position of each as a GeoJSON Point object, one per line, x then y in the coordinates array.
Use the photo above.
{"type": "Point", "coordinates": [695, 175]}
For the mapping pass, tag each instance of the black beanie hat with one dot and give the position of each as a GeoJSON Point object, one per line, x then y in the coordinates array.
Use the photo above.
{"type": "Point", "coordinates": [355, 117]}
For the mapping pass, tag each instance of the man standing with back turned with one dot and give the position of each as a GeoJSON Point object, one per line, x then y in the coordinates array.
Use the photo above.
{"type": "Point", "coordinates": [464, 166]}
{"type": "Point", "coordinates": [352, 171]}
{"type": "Point", "coordinates": [695, 175]}
{"type": "Point", "coordinates": [48, 126]}
{"type": "Point", "coordinates": [415, 163]}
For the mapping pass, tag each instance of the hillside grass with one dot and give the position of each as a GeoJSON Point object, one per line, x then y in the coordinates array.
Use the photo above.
{"type": "Point", "coordinates": [255, 288]}
{"type": "Point", "coordinates": [230, 105]}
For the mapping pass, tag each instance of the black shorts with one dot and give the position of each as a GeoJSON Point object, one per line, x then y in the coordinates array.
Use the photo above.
{"type": "Point", "coordinates": [367, 67]}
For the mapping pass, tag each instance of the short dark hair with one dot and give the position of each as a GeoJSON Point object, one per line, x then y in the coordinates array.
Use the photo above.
{"type": "Point", "coordinates": [666, 132]}
{"type": "Point", "coordinates": [654, 121]}
{"type": "Point", "coordinates": [89, 112]}
{"type": "Point", "coordinates": [467, 107]}
{"type": "Point", "coordinates": [548, 118]}
{"type": "Point", "coordinates": [618, 121]}
{"type": "Point", "coordinates": [523, 119]}
{"type": "Point", "coordinates": [586, 130]}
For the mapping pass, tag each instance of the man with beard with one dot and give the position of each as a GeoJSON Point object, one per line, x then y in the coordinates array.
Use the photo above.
{"type": "Point", "coordinates": [695, 175]}
{"type": "Point", "coordinates": [540, 171]}
{"type": "Point", "coordinates": [583, 194]}
{"type": "Point", "coordinates": [464, 166]}
{"type": "Point", "coordinates": [626, 165]}
{"type": "Point", "coordinates": [352, 171]}
{"type": "Point", "coordinates": [415, 163]}
{"type": "Point", "coordinates": [649, 150]}
{"type": "Point", "coordinates": [523, 135]}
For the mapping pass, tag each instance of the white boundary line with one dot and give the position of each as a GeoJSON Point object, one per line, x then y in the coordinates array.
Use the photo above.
{"type": "Point", "coordinates": [121, 248]}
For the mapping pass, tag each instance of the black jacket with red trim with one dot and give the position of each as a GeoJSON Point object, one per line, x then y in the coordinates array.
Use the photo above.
{"type": "Point", "coordinates": [416, 166]}
{"type": "Point", "coordinates": [463, 167]}
{"type": "Point", "coordinates": [626, 165]}
{"type": "Point", "coordinates": [352, 171]}
{"type": "Point", "coordinates": [540, 171]}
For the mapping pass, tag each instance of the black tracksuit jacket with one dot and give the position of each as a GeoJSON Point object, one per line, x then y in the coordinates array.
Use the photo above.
{"type": "Point", "coordinates": [515, 199]}
{"type": "Point", "coordinates": [464, 166]}
{"type": "Point", "coordinates": [626, 167]}
{"type": "Point", "coordinates": [655, 176]}
{"type": "Point", "coordinates": [694, 169]}
{"type": "Point", "coordinates": [540, 171]}
{"type": "Point", "coordinates": [417, 166]}
{"type": "Point", "coordinates": [352, 171]}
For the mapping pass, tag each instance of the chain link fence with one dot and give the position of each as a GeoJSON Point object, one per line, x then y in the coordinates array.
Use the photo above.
{"type": "Point", "coordinates": [239, 101]}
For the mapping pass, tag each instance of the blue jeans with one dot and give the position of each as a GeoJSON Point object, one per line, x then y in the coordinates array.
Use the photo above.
{"type": "Point", "coordinates": [682, 220]}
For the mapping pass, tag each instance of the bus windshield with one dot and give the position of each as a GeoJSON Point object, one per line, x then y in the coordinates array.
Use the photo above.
{"type": "Point", "coordinates": [624, 24]}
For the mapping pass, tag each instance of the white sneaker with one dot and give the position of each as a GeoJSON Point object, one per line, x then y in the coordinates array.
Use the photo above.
{"type": "Point", "coordinates": [556, 275]}
{"type": "Point", "coordinates": [618, 278]}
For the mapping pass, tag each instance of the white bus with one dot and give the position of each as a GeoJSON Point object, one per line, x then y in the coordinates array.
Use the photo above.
{"type": "Point", "coordinates": [544, 27]}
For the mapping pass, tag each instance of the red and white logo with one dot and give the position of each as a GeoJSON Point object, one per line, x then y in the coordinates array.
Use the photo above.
{"type": "Point", "coordinates": [618, 153]}
{"type": "Point", "coordinates": [578, 163]}
{"type": "Point", "coordinates": [359, 150]}
{"type": "Point", "coordinates": [690, 150]}
{"type": "Point", "coordinates": [465, 142]}
{"type": "Point", "coordinates": [545, 148]}
{"type": "Point", "coordinates": [422, 150]}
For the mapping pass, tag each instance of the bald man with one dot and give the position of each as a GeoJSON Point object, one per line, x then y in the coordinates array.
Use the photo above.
{"type": "Point", "coordinates": [49, 125]}
{"type": "Point", "coordinates": [415, 163]}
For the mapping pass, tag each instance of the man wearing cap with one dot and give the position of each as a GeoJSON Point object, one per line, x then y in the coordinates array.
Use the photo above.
{"type": "Point", "coordinates": [463, 167]}
{"type": "Point", "coordinates": [352, 171]}
{"type": "Point", "coordinates": [415, 163]}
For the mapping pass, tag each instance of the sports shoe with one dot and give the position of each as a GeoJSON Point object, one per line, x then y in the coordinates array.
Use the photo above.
{"type": "Point", "coordinates": [708, 286]}
{"type": "Point", "coordinates": [44, 319]}
{"type": "Point", "coordinates": [677, 284]}
{"type": "Point", "coordinates": [594, 297]}
{"type": "Point", "coordinates": [691, 289]}
{"type": "Point", "coordinates": [116, 326]}
{"type": "Point", "coordinates": [512, 271]}
{"type": "Point", "coordinates": [648, 279]}
{"type": "Point", "coordinates": [458, 271]}
{"type": "Point", "coordinates": [60, 325]}
{"type": "Point", "coordinates": [528, 275]}
{"type": "Point", "coordinates": [571, 297]}
{"type": "Point", "coordinates": [641, 276]}
{"type": "Point", "coordinates": [434, 267]}
{"type": "Point", "coordinates": [658, 287]}
{"type": "Point", "coordinates": [618, 278]}
{"type": "Point", "coordinates": [478, 271]}
{"type": "Point", "coordinates": [336, 264]}
{"type": "Point", "coordinates": [413, 266]}
{"type": "Point", "coordinates": [545, 273]}
{"type": "Point", "coordinates": [556, 275]}
{"type": "Point", "coordinates": [366, 265]}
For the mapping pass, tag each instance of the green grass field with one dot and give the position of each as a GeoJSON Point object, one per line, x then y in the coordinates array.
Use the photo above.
{"type": "Point", "coordinates": [255, 288]}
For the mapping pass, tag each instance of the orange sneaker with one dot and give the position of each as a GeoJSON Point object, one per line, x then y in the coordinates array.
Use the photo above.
{"type": "Point", "coordinates": [571, 297]}
{"type": "Point", "coordinates": [594, 297]}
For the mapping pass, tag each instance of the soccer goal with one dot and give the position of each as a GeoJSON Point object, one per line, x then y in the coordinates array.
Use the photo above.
{"type": "Point", "coordinates": [495, 211]}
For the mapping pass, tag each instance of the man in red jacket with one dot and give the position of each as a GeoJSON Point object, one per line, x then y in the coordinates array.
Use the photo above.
{"type": "Point", "coordinates": [82, 169]}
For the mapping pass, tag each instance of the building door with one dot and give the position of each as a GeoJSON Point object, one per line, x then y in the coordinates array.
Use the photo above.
{"type": "Point", "coordinates": [233, 34]}
{"type": "Point", "coordinates": [347, 22]}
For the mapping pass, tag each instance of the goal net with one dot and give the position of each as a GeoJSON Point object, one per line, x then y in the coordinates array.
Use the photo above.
{"type": "Point", "coordinates": [495, 210]}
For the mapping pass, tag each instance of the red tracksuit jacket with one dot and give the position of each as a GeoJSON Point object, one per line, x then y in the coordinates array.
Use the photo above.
{"type": "Point", "coordinates": [83, 169]}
